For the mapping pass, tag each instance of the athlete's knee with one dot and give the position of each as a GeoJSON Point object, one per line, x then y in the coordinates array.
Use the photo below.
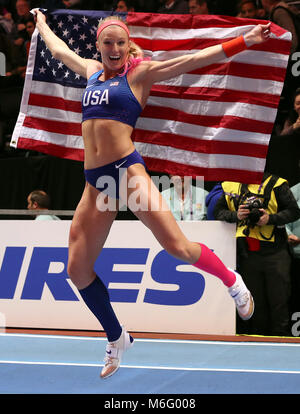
{"type": "Point", "coordinates": [73, 258]}
{"type": "Point", "coordinates": [78, 268]}
{"type": "Point", "coordinates": [75, 270]}
{"type": "Point", "coordinates": [75, 233]}
{"type": "Point", "coordinates": [80, 272]}
{"type": "Point", "coordinates": [179, 250]}
{"type": "Point", "coordinates": [72, 267]}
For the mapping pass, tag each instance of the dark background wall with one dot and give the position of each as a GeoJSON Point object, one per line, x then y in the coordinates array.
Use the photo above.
{"type": "Point", "coordinates": [62, 179]}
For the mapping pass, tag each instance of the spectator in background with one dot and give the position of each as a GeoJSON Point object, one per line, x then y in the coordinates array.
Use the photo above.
{"type": "Point", "coordinates": [39, 200]}
{"type": "Point", "coordinates": [292, 124]}
{"type": "Point", "coordinates": [280, 13]}
{"type": "Point", "coordinates": [293, 231]}
{"type": "Point", "coordinates": [6, 21]}
{"type": "Point", "coordinates": [23, 13]}
{"type": "Point", "coordinates": [248, 9]}
{"type": "Point", "coordinates": [126, 6]}
{"type": "Point", "coordinates": [30, 26]}
{"type": "Point", "coordinates": [11, 89]}
{"type": "Point", "coordinates": [185, 200]}
{"type": "Point", "coordinates": [174, 7]}
{"type": "Point", "coordinates": [211, 200]}
{"type": "Point", "coordinates": [263, 257]}
{"type": "Point", "coordinates": [19, 36]}
{"type": "Point", "coordinates": [198, 7]}
{"type": "Point", "coordinates": [15, 46]}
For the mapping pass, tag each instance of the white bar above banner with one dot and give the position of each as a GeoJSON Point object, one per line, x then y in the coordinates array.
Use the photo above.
{"type": "Point", "coordinates": [150, 290]}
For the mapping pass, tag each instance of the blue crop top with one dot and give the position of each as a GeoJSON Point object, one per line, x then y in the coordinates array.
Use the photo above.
{"type": "Point", "coordinates": [110, 99]}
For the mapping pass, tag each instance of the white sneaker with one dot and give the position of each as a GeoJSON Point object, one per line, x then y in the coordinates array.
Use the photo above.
{"type": "Point", "coordinates": [114, 352]}
{"type": "Point", "coordinates": [242, 297]}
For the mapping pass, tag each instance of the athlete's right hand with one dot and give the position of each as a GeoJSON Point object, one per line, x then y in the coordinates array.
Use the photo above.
{"type": "Point", "coordinates": [258, 34]}
{"type": "Point", "coordinates": [38, 15]}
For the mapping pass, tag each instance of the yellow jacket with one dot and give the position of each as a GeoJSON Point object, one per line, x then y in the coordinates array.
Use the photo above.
{"type": "Point", "coordinates": [232, 192]}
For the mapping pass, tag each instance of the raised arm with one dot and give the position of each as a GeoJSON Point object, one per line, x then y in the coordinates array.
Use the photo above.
{"type": "Point", "coordinates": [159, 71]}
{"type": "Point", "coordinates": [60, 50]}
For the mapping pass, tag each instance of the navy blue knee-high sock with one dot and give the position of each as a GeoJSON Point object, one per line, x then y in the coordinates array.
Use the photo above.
{"type": "Point", "coordinates": [96, 297]}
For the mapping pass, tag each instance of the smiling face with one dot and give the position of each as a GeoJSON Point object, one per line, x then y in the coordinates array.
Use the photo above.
{"type": "Point", "coordinates": [113, 44]}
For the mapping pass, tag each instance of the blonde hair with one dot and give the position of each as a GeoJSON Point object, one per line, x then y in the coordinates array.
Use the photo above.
{"type": "Point", "coordinates": [135, 53]}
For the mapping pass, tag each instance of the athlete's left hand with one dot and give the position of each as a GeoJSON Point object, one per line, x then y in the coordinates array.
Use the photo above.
{"type": "Point", "coordinates": [258, 34]}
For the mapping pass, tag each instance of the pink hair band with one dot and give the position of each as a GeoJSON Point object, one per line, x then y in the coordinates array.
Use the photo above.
{"type": "Point", "coordinates": [113, 22]}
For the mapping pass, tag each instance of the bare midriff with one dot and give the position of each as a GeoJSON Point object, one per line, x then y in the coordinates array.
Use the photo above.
{"type": "Point", "coordinates": [105, 141]}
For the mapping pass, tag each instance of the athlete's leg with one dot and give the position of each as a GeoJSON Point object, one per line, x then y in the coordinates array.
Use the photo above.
{"type": "Point", "coordinates": [89, 230]}
{"type": "Point", "coordinates": [88, 233]}
{"type": "Point", "coordinates": [155, 214]}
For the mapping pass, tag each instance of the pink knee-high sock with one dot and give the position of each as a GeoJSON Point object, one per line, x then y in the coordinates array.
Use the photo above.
{"type": "Point", "coordinates": [210, 263]}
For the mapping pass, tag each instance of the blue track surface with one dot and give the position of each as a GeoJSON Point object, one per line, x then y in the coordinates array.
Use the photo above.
{"type": "Point", "coordinates": [40, 364]}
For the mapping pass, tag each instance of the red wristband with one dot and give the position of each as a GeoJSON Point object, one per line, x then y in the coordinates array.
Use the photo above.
{"type": "Point", "coordinates": [234, 46]}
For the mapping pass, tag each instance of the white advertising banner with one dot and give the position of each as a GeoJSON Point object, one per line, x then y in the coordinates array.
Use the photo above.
{"type": "Point", "coordinates": [150, 290]}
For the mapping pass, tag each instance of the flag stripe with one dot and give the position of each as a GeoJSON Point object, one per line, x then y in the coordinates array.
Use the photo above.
{"type": "Point", "coordinates": [159, 112]}
{"type": "Point", "coordinates": [211, 22]}
{"type": "Point", "coordinates": [232, 122]}
{"type": "Point", "coordinates": [201, 146]}
{"type": "Point", "coordinates": [155, 125]}
{"type": "Point", "coordinates": [239, 162]}
{"type": "Point", "coordinates": [248, 57]}
{"type": "Point", "coordinates": [67, 141]}
{"type": "Point", "coordinates": [228, 82]}
{"type": "Point", "coordinates": [195, 131]}
{"type": "Point", "coordinates": [59, 127]}
{"type": "Point", "coordinates": [243, 70]}
{"type": "Point", "coordinates": [56, 89]}
{"type": "Point", "coordinates": [54, 102]}
{"type": "Point", "coordinates": [216, 94]}
{"type": "Point", "coordinates": [212, 108]}
{"type": "Point", "coordinates": [40, 104]}
{"type": "Point", "coordinates": [193, 92]}
{"type": "Point", "coordinates": [209, 174]}
{"type": "Point", "coordinates": [35, 111]}
{"type": "Point", "coordinates": [51, 149]}
{"type": "Point", "coordinates": [215, 121]}
{"type": "Point", "coordinates": [187, 44]}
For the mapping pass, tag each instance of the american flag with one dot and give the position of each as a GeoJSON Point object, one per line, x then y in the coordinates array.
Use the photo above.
{"type": "Point", "coordinates": [213, 122]}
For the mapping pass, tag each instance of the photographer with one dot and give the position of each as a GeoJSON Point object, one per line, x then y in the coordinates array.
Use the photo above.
{"type": "Point", "coordinates": [261, 212]}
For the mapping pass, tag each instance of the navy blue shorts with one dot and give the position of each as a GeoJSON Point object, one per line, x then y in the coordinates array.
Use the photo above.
{"type": "Point", "coordinates": [107, 178]}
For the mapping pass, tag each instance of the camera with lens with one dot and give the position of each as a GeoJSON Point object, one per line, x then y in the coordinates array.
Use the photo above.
{"type": "Point", "coordinates": [253, 204]}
